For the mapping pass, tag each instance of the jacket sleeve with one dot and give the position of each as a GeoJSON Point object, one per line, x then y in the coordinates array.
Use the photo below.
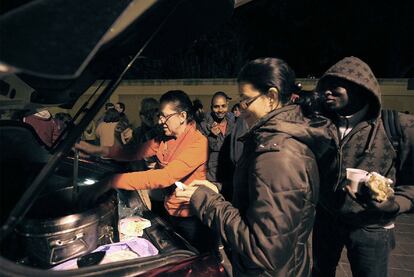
{"type": "Point", "coordinates": [215, 142]}
{"type": "Point", "coordinates": [404, 188]}
{"type": "Point", "coordinates": [194, 156]}
{"type": "Point", "coordinates": [269, 228]}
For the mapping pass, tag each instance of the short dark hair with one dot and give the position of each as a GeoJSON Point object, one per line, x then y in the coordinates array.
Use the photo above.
{"type": "Point", "coordinates": [181, 101]}
{"type": "Point", "coordinates": [220, 94]}
{"type": "Point", "coordinates": [149, 105]}
{"type": "Point", "coordinates": [198, 110]}
{"type": "Point", "coordinates": [235, 106]}
{"type": "Point", "coordinates": [109, 105]}
{"type": "Point", "coordinates": [149, 108]}
{"type": "Point", "coordinates": [265, 73]}
{"type": "Point", "coordinates": [111, 115]}
{"type": "Point", "coordinates": [197, 104]}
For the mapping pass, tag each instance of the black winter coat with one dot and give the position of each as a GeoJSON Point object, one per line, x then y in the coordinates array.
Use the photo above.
{"type": "Point", "coordinates": [219, 167]}
{"type": "Point", "coordinates": [275, 192]}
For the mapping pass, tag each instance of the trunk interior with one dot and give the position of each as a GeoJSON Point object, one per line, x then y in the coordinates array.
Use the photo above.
{"type": "Point", "coordinates": [44, 237]}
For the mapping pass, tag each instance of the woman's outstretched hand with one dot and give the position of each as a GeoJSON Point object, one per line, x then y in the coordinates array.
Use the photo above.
{"type": "Point", "coordinates": [189, 190]}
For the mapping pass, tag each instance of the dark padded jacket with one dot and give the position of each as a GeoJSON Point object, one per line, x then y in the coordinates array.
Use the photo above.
{"type": "Point", "coordinates": [275, 192]}
{"type": "Point", "coordinates": [219, 167]}
{"type": "Point", "coordinates": [368, 147]}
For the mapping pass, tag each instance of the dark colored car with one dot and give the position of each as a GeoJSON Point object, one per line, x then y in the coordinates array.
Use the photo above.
{"type": "Point", "coordinates": [51, 52]}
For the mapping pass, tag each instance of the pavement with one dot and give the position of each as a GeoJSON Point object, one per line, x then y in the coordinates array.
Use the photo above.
{"type": "Point", "coordinates": [402, 257]}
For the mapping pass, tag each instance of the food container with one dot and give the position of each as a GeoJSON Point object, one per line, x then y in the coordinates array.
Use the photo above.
{"type": "Point", "coordinates": [54, 232]}
{"type": "Point", "coordinates": [356, 176]}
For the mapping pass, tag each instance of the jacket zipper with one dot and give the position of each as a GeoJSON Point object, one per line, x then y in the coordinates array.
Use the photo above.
{"type": "Point", "coordinates": [339, 155]}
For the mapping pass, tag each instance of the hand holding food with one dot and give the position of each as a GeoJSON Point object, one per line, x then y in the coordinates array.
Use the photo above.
{"type": "Point", "coordinates": [376, 194]}
{"type": "Point", "coordinates": [379, 186]}
{"type": "Point", "coordinates": [368, 186]}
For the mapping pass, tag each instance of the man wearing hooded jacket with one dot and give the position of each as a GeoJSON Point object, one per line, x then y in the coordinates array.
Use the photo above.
{"type": "Point", "coordinates": [352, 100]}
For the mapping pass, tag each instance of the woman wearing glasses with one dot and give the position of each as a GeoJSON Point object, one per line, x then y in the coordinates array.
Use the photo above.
{"type": "Point", "coordinates": [181, 156]}
{"type": "Point", "coordinates": [276, 181]}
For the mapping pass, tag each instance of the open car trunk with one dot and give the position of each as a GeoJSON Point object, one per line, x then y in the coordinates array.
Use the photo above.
{"type": "Point", "coordinates": [59, 49]}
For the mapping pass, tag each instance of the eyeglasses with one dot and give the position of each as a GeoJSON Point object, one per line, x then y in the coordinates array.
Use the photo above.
{"type": "Point", "coordinates": [245, 103]}
{"type": "Point", "coordinates": [164, 118]}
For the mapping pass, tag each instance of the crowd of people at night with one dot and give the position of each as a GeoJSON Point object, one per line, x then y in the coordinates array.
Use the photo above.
{"type": "Point", "coordinates": [267, 177]}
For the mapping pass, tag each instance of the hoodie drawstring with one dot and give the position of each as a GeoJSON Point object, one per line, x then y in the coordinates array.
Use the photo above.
{"type": "Point", "coordinates": [371, 137]}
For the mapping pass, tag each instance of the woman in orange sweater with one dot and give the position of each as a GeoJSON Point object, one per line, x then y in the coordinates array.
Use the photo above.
{"type": "Point", "coordinates": [182, 155]}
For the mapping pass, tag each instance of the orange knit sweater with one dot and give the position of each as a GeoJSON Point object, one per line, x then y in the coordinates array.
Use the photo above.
{"type": "Point", "coordinates": [181, 159]}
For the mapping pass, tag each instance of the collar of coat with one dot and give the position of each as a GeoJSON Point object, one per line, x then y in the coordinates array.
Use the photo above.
{"type": "Point", "coordinates": [262, 121]}
{"type": "Point", "coordinates": [272, 129]}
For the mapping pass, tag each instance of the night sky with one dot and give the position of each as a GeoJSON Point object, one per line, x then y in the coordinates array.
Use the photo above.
{"type": "Point", "coordinates": [309, 35]}
{"type": "Point", "coordinates": [312, 35]}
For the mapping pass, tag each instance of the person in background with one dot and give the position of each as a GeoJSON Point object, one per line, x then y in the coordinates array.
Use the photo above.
{"type": "Point", "coordinates": [89, 135]}
{"type": "Point", "coordinates": [107, 106]}
{"type": "Point", "coordinates": [47, 128]}
{"type": "Point", "coordinates": [64, 119]}
{"type": "Point", "coordinates": [240, 128]}
{"type": "Point", "coordinates": [276, 180]}
{"type": "Point", "coordinates": [120, 108]}
{"type": "Point", "coordinates": [148, 130]}
{"type": "Point", "coordinates": [217, 127]}
{"type": "Point", "coordinates": [236, 145]}
{"type": "Point", "coordinates": [199, 114]}
{"type": "Point", "coordinates": [181, 156]}
{"type": "Point", "coordinates": [352, 99]}
{"type": "Point", "coordinates": [236, 110]}
{"type": "Point", "coordinates": [148, 114]}
{"type": "Point", "coordinates": [105, 131]}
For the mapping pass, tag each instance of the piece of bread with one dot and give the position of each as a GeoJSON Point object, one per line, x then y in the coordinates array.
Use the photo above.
{"type": "Point", "coordinates": [379, 186]}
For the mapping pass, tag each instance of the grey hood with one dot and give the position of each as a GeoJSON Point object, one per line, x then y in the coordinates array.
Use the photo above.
{"type": "Point", "coordinates": [356, 71]}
